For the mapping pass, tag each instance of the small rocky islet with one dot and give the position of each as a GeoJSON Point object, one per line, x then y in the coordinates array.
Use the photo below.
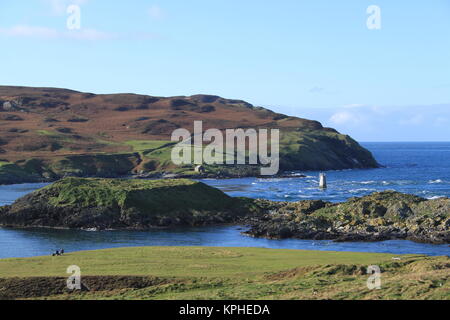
{"type": "Point", "coordinates": [381, 216]}
{"type": "Point", "coordinates": [101, 204]}
{"type": "Point", "coordinates": [95, 203]}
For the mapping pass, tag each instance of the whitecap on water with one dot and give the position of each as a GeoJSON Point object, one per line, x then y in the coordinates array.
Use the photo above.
{"type": "Point", "coordinates": [367, 182]}
{"type": "Point", "coordinates": [435, 181]}
{"type": "Point", "coordinates": [271, 180]}
{"type": "Point", "coordinates": [435, 197]}
{"type": "Point", "coordinates": [399, 182]}
{"type": "Point", "coordinates": [304, 196]}
{"type": "Point", "coordinates": [361, 190]}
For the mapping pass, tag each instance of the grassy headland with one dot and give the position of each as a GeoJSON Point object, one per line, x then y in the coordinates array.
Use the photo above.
{"type": "Point", "coordinates": [80, 134]}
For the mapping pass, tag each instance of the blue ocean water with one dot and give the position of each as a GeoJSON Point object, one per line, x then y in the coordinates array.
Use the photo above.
{"type": "Point", "coordinates": [421, 168]}
{"type": "Point", "coordinates": [418, 168]}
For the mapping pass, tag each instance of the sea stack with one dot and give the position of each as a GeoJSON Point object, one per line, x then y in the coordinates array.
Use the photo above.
{"type": "Point", "coordinates": [323, 181]}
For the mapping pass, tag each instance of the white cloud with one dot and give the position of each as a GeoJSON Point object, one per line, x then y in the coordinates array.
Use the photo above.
{"type": "Point", "coordinates": [346, 117]}
{"type": "Point", "coordinates": [155, 12]}
{"type": "Point", "coordinates": [39, 32]}
{"type": "Point", "coordinates": [387, 123]}
{"type": "Point", "coordinates": [29, 31]}
{"type": "Point", "coordinates": [89, 34]}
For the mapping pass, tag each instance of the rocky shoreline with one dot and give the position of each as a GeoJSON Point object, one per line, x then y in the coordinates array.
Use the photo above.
{"type": "Point", "coordinates": [101, 204]}
{"type": "Point", "coordinates": [13, 174]}
{"type": "Point", "coordinates": [380, 216]}
{"type": "Point", "coordinates": [33, 178]}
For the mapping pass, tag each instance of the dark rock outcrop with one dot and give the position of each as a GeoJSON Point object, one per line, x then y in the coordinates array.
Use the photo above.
{"type": "Point", "coordinates": [380, 216]}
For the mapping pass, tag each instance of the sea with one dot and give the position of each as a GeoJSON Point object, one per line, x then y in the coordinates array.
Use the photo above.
{"type": "Point", "coordinates": [420, 168]}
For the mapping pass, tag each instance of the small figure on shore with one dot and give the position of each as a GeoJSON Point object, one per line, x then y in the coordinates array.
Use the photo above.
{"type": "Point", "coordinates": [58, 253]}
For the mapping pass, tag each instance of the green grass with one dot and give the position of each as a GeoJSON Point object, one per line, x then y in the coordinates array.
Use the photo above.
{"type": "Point", "coordinates": [228, 273]}
{"type": "Point", "coordinates": [314, 149]}
{"type": "Point", "coordinates": [156, 155]}
{"type": "Point", "coordinates": [149, 196]}
{"type": "Point", "coordinates": [162, 155]}
{"type": "Point", "coordinates": [182, 262]}
{"type": "Point", "coordinates": [159, 153]}
{"type": "Point", "coordinates": [103, 192]}
{"type": "Point", "coordinates": [46, 133]}
{"type": "Point", "coordinates": [307, 149]}
{"type": "Point", "coordinates": [146, 145]}
{"type": "Point", "coordinates": [299, 150]}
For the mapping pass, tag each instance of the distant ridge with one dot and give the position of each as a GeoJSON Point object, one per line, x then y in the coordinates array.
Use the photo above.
{"type": "Point", "coordinates": [47, 133]}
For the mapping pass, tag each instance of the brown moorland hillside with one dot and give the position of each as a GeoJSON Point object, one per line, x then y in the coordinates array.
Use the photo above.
{"type": "Point", "coordinates": [46, 133]}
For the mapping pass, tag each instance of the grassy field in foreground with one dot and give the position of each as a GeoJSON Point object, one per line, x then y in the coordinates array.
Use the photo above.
{"type": "Point", "coordinates": [226, 273]}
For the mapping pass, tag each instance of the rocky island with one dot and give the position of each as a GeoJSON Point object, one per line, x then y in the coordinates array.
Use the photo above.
{"type": "Point", "coordinates": [89, 203]}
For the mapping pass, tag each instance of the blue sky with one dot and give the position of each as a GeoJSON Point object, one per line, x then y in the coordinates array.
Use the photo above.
{"type": "Point", "coordinates": [307, 58]}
